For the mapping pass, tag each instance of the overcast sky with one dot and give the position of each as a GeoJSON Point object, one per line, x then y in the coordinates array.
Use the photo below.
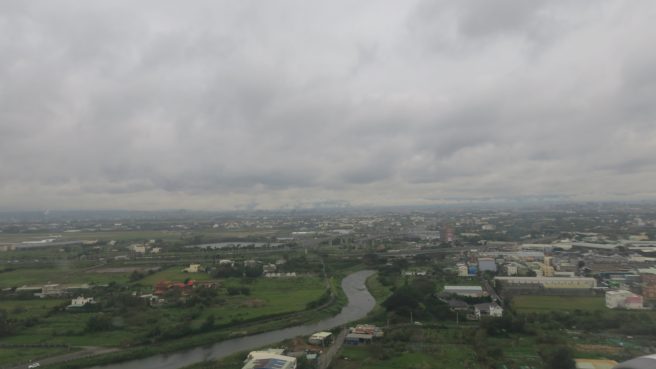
{"type": "Point", "coordinates": [282, 104]}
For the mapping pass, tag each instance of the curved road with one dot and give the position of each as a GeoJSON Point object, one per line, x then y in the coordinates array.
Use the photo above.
{"type": "Point", "coordinates": [360, 303]}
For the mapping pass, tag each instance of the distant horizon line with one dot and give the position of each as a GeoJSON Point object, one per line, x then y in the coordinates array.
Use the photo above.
{"type": "Point", "coordinates": [465, 204]}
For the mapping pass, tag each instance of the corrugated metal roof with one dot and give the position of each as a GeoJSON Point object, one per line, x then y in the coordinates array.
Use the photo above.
{"type": "Point", "coordinates": [644, 362]}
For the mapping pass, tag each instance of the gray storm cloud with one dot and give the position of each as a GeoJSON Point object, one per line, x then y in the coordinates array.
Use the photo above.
{"type": "Point", "coordinates": [230, 105]}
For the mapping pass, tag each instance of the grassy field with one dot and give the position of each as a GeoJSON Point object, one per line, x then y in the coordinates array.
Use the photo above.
{"type": "Point", "coordinates": [62, 275]}
{"type": "Point", "coordinates": [23, 309]}
{"type": "Point", "coordinates": [13, 356]}
{"type": "Point", "coordinates": [377, 290]}
{"type": "Point", "coordinates": [306, 316]}
{"type": "Point", "coordinates": [267, 297]}
{"type": "Point", "coordinates": [528, 304]}
{"type": "Point", "coordinates": [443, 357]}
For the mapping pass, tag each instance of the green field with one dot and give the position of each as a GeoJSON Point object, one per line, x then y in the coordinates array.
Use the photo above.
{"type": "Point", "coordinates": [267, 297]}
{"type": "Point", "coordinates": [537, 304]}
{"type": "Point", "coordinates": [23, 309]}
{"type": "Point", "coordinates": [443, 357]}
{"type": "Point", "coordinates": [22, 356]}
{"type": "Point", "coordinates": [63, 275]}
{"type": "Point", "coordinates": [377, 290]}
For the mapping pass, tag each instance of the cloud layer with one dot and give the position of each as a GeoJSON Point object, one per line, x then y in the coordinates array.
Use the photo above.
{"type": "Point", "coordinates": [224, 105]}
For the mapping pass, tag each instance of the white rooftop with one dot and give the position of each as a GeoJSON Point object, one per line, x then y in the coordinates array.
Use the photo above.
{"type": "Point", "coordinates": [463, 288]}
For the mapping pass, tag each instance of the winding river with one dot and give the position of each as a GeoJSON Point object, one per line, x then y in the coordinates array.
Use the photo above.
{"type": "Point", "coordinates": [360, 303]}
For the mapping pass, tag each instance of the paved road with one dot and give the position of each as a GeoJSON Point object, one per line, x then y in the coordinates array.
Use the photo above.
{"type": "Point", "coordinates": [327, 357]}
{"type": "Point", "coordinates": [493, 294]}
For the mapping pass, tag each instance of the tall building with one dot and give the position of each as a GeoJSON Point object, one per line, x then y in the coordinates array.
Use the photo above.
{"type": "Point", "coordinates": [447, 234]}
{"type": "Point", "coordinates": [547, 268]}
{"type": "Point", "coordinates": [649, 286]}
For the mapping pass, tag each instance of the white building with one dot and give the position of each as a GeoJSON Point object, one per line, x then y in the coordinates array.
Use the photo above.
{"type": "Point", "coordinates": [139, 249]}
{"type": "Point", "coordinates": [412, 273]}
{"type": "Point", "coordinates": [622, 299]}
{"type": "Point", "coordinates": [266, 359]}
{"type": "Point", "coordinates": [488, 309]}
{"type": "Point", "coordinates": [470, 291]}
{"type": "Point", "coordinates": [80, 301]}
{"type": "Point", "coordinates": [280, 275]}
{"type": "Point", "coordinates": [548, 282]}
{"type": "Point", "coordinates": [192, 268]}
{"type": "Point", "coordinates": [269, 268]}
{"type": "Point", "coordinates": [320, 339]}
{"type": "Point", "coordinates": [462, 270]}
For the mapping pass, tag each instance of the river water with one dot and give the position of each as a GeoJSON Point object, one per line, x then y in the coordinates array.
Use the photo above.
{"type": "Point", "coordinates": [360, 303]}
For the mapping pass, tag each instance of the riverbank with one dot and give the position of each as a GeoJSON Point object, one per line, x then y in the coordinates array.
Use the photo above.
{"type": "Point", "coordinates": [353, 290]}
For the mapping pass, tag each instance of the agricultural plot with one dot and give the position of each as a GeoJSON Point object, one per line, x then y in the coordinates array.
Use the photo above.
{"type": "Point", "coordinates": [266, 297]}
{"type": "Point", "coordinates": [443, 357]}
{"type": "Point", "coordinates": [256, 298]}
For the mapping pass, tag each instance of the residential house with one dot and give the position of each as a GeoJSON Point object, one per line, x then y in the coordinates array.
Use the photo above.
{"type": "Point", "coordinates": [458, 305]}
{"type": "Point", "coordinates": [192, 268]}
{"type": "Point", "coordinates": [623, 299]}
{"type": "Point", "coordinates": [80, 302]}
{"type": "Point", "coordinates": [488, 309]}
